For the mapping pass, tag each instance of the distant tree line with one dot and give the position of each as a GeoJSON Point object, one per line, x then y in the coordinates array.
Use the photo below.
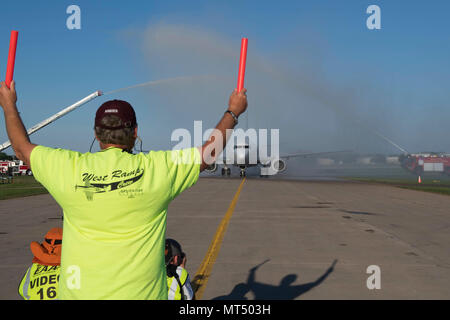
{"type": "Point", "coordinates": [4, 156]}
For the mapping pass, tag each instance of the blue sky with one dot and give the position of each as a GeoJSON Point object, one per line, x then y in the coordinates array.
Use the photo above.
{"type": "Point", "coordinates": [397, 78]}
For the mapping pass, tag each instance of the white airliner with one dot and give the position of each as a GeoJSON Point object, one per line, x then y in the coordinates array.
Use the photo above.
{"type": "Point", "coordinates": [246, 155]}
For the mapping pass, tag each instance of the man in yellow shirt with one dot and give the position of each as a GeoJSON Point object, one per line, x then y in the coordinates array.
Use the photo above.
{"type": "Point", "coordinates": [115, 202]}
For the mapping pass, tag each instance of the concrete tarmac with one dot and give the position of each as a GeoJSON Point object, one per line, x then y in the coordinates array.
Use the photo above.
{"type": "Point", "coordinates": [285, 240]}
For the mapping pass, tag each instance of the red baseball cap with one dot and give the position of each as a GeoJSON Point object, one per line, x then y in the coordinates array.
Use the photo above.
{"type": "Point", "coordinates": [119, 108]}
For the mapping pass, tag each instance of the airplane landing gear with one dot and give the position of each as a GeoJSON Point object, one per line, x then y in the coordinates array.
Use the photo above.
{"type": "Point", "coordinates": [242, 173]}
{"type": "Point", "coordinates": [226, 171]}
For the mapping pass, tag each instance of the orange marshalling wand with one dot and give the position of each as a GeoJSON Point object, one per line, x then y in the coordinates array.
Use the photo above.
{"type": "Point", "coordinates": [242, 63]}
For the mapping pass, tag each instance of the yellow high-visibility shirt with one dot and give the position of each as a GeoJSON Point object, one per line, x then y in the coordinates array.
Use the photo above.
{"type": "Point", "coordinates": [115, 206]}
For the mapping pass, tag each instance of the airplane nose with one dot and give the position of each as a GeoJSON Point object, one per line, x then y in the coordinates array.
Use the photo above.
{"type": "Point", "coordinates": [240, 157]}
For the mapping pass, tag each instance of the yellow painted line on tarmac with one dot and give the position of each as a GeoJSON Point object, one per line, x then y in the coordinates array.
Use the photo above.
{"type": "Point", "coordinates": [202, 276]}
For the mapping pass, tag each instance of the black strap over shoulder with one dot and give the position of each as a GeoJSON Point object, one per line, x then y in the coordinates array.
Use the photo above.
{"type": "Point", "coordinates": [172, 272]}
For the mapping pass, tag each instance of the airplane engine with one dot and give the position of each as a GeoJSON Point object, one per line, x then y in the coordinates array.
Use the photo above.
{"type": "Point", "coordinates": [278, 165]}
{"type": "Point", "coordinates": [211, 168]}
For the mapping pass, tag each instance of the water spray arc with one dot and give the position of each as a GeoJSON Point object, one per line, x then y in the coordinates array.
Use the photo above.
{"type": "Point", "coordinates": [157, 82]}
{"type": "Point", "coordinates": [378, 134]}
{"type": "Point", "coordinates": [56, 116]}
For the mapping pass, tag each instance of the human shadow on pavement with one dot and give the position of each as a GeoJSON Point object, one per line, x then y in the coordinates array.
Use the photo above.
{"type": "Point", "coordinates": [284, 291]}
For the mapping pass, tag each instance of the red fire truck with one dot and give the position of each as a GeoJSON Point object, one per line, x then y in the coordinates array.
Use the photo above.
{"type": "Point", "coordinates": [4, 165]}
{"type": "Point", "coordinates": [17, 166]}
{"type": "Point", "coordinates": [426, 163]}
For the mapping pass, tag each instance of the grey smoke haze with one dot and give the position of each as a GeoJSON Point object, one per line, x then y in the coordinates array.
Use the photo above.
{"type": "Point", "coordinates": [289, 89]}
